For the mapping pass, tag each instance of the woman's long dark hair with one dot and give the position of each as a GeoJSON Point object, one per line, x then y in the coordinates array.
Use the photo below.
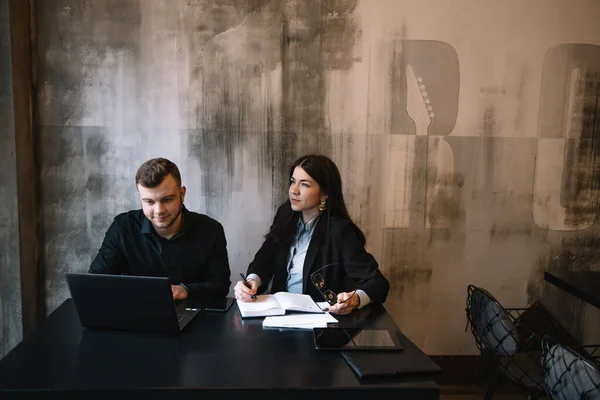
{"type": "Point", "coordinates": [326, 174]}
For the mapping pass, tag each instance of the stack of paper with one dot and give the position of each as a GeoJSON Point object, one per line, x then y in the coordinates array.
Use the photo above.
{"type": "Point", "coordinates": [300, 321]}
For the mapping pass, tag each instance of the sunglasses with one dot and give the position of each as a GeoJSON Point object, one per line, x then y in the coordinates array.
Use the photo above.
{"type": "Point", "coordinates": [319, 281]}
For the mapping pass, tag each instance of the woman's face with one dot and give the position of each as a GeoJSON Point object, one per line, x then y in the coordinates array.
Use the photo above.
{"type": "Point", "coordinates": [305, 194]}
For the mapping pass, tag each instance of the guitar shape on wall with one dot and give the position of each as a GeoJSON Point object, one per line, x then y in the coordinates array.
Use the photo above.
{"type": "Point", "coordinates": [418, 105]}
{"type": "Point", "coordinates": [400, 156]}
{"type": "Point", "coordinates": [440, 156]}
{"type": "Point", "coordinates": [439, 164]}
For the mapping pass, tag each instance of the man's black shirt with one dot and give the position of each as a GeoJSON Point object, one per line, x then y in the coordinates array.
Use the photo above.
{"type": "Point", "coordinates": [196, 257]}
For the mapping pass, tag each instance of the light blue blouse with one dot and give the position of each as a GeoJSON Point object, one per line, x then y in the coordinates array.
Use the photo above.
{"type": "Point", "coordinates": [297, 253]}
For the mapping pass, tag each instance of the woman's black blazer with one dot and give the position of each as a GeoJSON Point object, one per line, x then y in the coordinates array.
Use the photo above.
{"type": "Point", "coordinates": [339, 244]}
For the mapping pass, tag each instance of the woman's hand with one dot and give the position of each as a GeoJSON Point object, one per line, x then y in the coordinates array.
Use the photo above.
{"type": "Point", "coordinates": [243, 293]}
{"type": "Point", "coordinates": [346, 303]}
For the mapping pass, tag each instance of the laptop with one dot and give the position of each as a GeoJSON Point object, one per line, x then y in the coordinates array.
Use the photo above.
{"type": "Point", "coordinates": [124, 302]}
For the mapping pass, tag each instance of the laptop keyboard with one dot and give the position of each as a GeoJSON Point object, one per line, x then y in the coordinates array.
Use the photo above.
{"type": "Point", "coordinates": [181, 318]}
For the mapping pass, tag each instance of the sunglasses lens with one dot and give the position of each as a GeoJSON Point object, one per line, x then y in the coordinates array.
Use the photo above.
{"type": "Point", "coordinates": [330, 297]}
{"type": "Point", "coordinates": [318, 280]}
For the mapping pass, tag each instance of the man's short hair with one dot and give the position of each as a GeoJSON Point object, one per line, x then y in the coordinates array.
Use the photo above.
{"type": "Point", "coordinates": [151, 173]}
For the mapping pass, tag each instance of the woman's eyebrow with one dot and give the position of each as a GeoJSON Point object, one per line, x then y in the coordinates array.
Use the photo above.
{"type": "Point", "coordinates": [301, 180]}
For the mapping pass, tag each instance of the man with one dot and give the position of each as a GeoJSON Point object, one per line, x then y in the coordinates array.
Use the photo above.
{"type": "Point", "coordinates": [165, 239]}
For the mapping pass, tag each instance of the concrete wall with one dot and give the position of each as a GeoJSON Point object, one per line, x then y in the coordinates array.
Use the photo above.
{"type": "Point", "coordinates": [10, 287]}
{"type": "Point", "coordinates": [466, 133]}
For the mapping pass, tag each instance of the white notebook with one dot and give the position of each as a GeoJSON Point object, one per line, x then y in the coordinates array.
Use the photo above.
{"type": "Point", "coordinates": [277, 304]}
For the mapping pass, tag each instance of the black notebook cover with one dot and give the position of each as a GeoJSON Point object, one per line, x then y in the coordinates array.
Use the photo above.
{"type": "Point", "coordinates": [382, 363]}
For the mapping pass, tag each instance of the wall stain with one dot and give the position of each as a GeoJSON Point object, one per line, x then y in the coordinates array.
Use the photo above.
{"type": "Point", "coordinates": [78, 195]}
{"type": "Point", "coordinates": [303, 38]}
{"type": "Point", "coordinates": [101, 183]}
{"type": "Point", "coordinates": [581, 175]}
{"type": "Point", "coordinates": [316, 37]}
{"type": "Point", "coordinates": [402, 278]}
{"type": "Point", "coordinates": [401, 123]}
{"type": "Point", "coordinates": [62, 188]}
{"type": "Point", "coordinates": [504, 233]}
{"type": "Point", "coordinates": [444, 210]}
{"type": "Point", "coordinates": [489, 120]}
{"type": "Point", "coordinates": [78, 35]}
{"type": "Point", "coordinates": [500, 97]}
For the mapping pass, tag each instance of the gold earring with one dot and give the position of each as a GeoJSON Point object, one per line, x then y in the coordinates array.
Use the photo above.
{"type": "Point", "coordinates": [322, 205]}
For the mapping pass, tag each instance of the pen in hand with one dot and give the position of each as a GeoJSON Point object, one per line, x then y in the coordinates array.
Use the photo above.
{"type": "Point", "coordinates": [247, 285]}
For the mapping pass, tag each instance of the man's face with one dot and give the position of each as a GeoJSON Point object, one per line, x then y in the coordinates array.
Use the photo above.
{"type": "Point", "coordinates": [162, 204]}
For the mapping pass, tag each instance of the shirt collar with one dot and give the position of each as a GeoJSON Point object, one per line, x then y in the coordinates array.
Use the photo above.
{"type": "Point", "coordinates": [310, 225]}
{"type": "Point", "coordinates": [147, 228]}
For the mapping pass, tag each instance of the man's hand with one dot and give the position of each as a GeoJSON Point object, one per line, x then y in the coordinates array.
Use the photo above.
{"type": "Point", "coordinates": [346, 303]}
{"type": "Point", "coordinates": [179, 292]}
{"type": "Point", "coordinates": [243, 293]}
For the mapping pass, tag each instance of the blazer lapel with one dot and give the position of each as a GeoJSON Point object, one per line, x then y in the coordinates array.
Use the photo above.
{"type": "Point", "coordinates": [311, 255]}
{"type": "Point", "coordinates": [281, 274]}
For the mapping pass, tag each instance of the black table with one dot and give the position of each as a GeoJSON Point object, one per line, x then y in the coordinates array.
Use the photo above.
{"type": "Point", "coordinates": [581, 284]}
{"type": "Point", "coordinates": [218, 355]}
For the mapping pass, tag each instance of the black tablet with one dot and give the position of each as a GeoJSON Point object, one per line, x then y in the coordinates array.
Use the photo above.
{"type": "Point", "coordinates": [355, 339]}
{"type": "Point", "coordinates": [221, 304]}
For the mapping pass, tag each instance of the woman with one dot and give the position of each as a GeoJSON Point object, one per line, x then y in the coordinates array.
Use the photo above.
{"type": "Point", "coordinates": [313, 247]}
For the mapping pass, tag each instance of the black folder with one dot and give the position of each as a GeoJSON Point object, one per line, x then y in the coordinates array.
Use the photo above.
{"type": "Point", "coordinates": [367, 364]}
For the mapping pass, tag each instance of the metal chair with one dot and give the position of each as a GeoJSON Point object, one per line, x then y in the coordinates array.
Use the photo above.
{"type": "Point", "coordinates": [508, 346]}
{"type": "Point", "coordinates": [571, 373]}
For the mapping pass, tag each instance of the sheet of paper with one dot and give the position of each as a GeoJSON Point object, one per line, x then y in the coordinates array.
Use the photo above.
{"type": "Point", "coordinates": [300, 321]}
{"type": "Point", "coordinates": [297, 302]}
{"type": "Point", "coordinates": [263, 302]}
{"type": "Point", "coordinates": [323, 305]}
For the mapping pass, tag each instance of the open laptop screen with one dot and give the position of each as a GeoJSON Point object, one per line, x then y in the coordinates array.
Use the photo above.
{"type": "Point", "coordinates": [139, 303]}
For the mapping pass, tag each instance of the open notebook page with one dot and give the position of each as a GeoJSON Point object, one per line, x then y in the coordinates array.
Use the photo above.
{"type": "Point", "coordinates": [263, 302]}
{"type": "Point", "coordinates": [297, 302]}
